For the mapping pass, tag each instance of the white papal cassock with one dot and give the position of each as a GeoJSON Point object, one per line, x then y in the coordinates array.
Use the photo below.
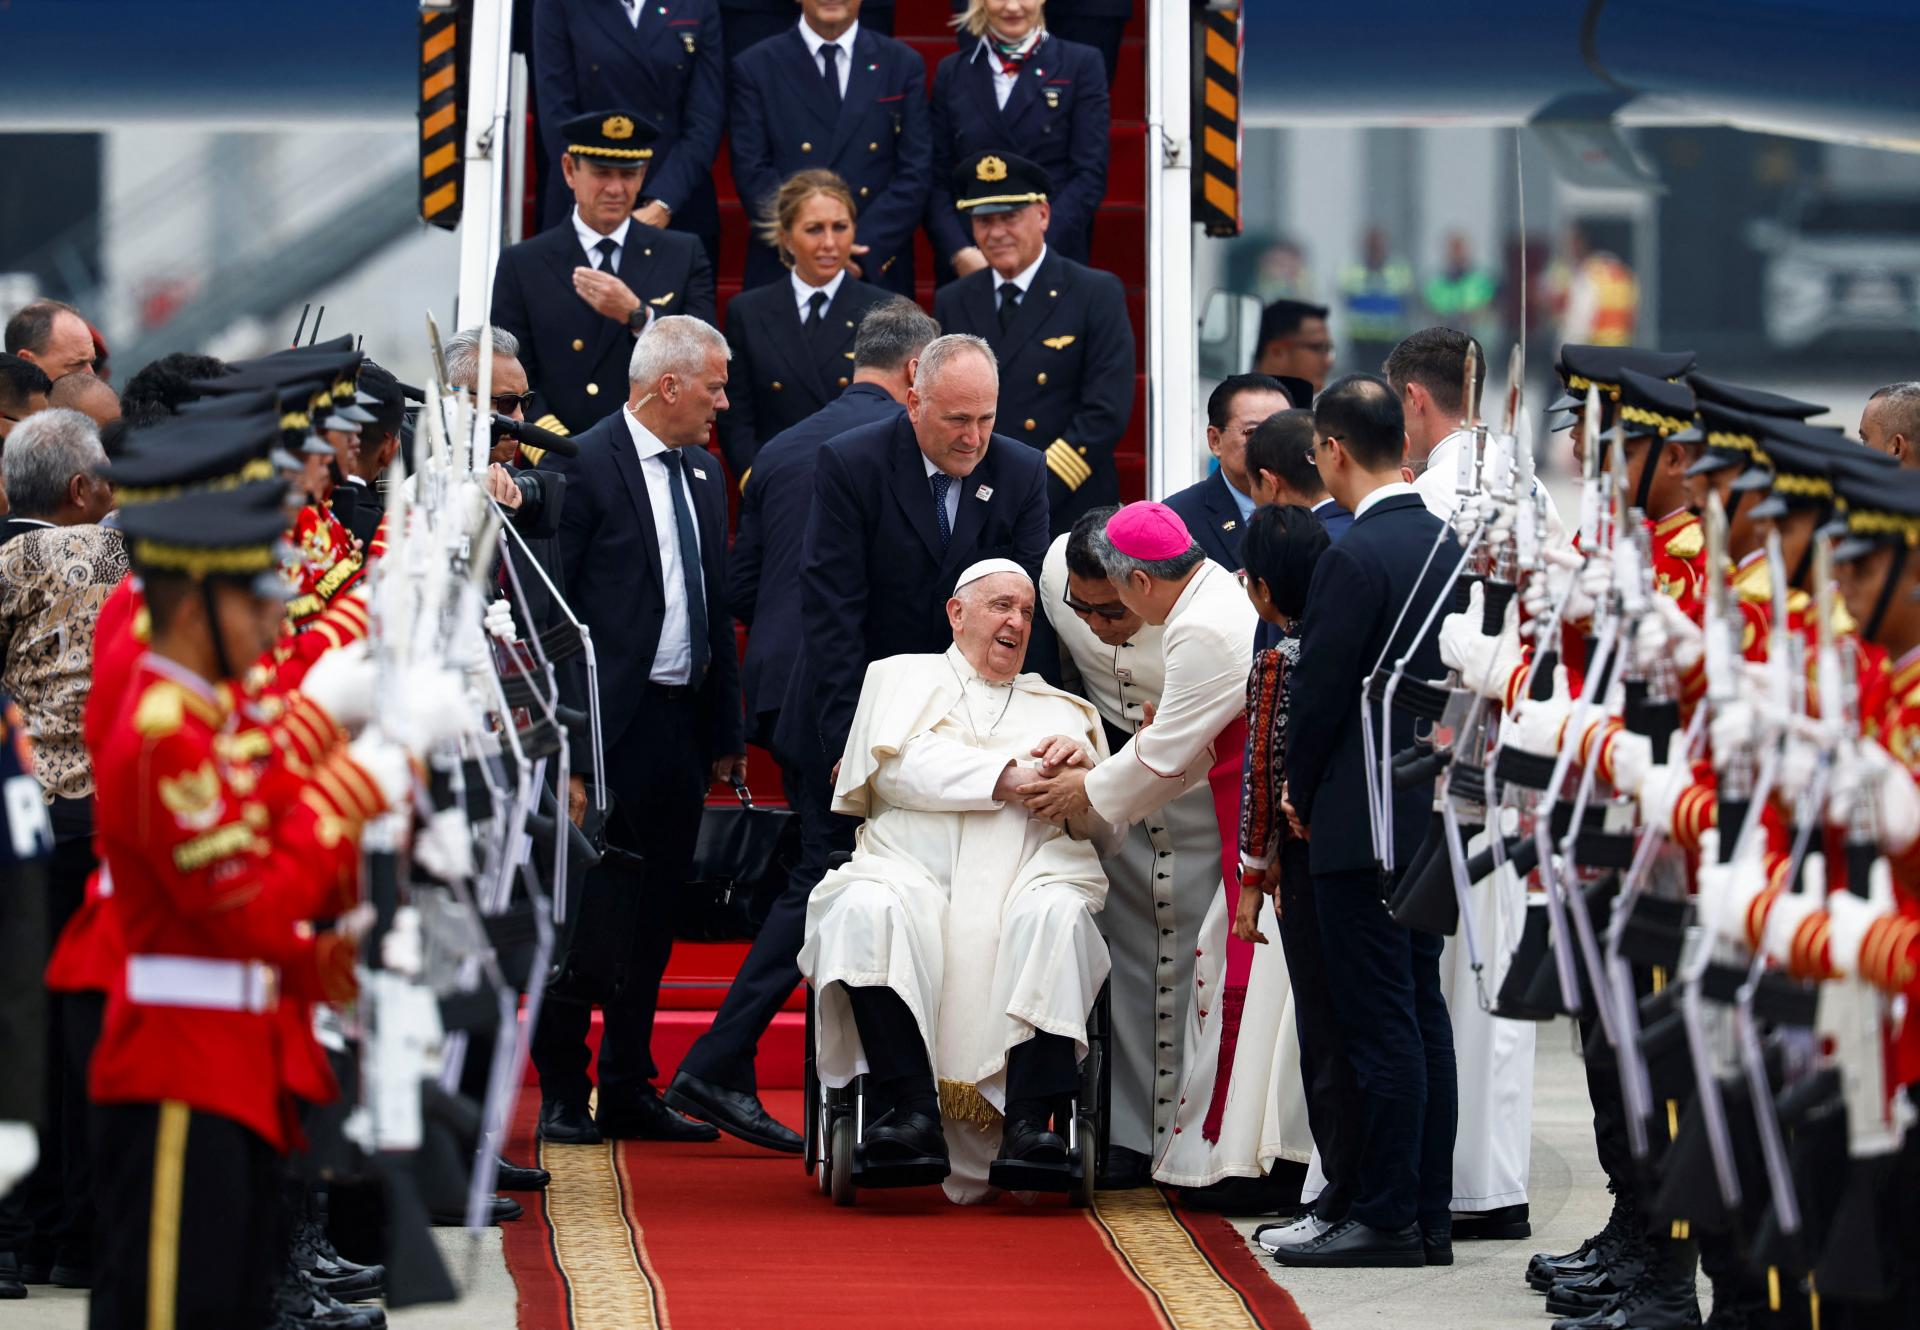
{"type": "Point", "coordinates": [979, 916]}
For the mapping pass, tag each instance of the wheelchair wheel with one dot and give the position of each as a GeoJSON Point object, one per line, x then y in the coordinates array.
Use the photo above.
{"type": "Point", "coordinates": [1086, 1160]}
{"type": "Point", "coordinates": [811, 1099]}
{"type": "Point", "coordinates": [840, 1154]}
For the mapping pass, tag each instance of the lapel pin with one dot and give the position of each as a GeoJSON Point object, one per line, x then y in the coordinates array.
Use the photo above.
{"type": "Point", "coordinates": [1229, 524]}
{"type": "Point", "coordinates": [698, 473]}
{"type": "Point", "coordinates": [984, 493]}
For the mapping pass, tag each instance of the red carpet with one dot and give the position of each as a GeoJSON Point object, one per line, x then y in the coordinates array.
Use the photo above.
{"type": "Point", "coordinates": [700, 1237]}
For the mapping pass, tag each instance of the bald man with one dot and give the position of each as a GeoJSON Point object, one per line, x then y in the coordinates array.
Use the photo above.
{"type": "Point", "coordinates": [89, 394]}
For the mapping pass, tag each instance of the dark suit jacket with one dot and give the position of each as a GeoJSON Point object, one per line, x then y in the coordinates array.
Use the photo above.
{"type": "Point", "coordinates": [1358, 588]}
{"type": "Point", "coordinates": [610, 557]}
{"type": "Point", "coordinates": [1334, 517]}
{"type": "Point", "coordinates": [780, 375]}
{"type": "Point", "coordinates": [16, 526]}
{"type": "Point", "coordinates": [765, 562]}
{"type": "Point", "coordinates": [359, 508]}
{"type": "Point", "coordinates": [670, 68]}
{"type": "Point", "coordinates": [575, 357]}
{"type": "Point", "coordinates": [876, 138]}
{"type": "Point", "coordinates": [1213, 519]}
{"type": "Point", "coordinates": [1056, 117]}
{"type": "Point", "coordinates": [537, 520]}
{"type": "Point", "coordinates": [1066, 372]}
{"type": "Point", "coordinates": [873, 579]}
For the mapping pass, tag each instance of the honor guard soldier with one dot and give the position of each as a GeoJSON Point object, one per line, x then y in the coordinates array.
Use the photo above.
{"type": "Point", "coordinates": [663, 59]}
{"type": "Point", "coordinates": [793, 342]}
{"type": "Point", "coordinates": [218, 873]}
{"type": "Point", "coordinates": [831, 94]}
{"type": "Point", "coordinates": [1059, 328]}
{"type": "Point", "coordinates": [576, 295]}
{"type": "Point", "coordinates": [1014, 85]}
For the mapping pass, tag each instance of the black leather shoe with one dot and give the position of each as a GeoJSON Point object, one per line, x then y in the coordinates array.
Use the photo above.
{"type": "Point", "coordinates": [904, 1138]}
{"type": "Point", "coordinates": [1645, 1307]}
{"type": "Point", "coordinates": [1033, 1157]}
{"type": "Point", "coordinates": [301, 1304]}
{"type": "Point", "coordinates": [1504, 1224]}
{"type": "Point", "coordinates": [646, 1117]}
{"type": "Point", "coordinates": [511, 1177]}
{"type": "Point", "coordinates": [1546, 1269]}
{"type": "Point", "coordinates": [1352, 1244]}
{"type": "Point", "coordinates": [348, 1281]}
{"type": "Point", "coordinates": [1436, 1247]}
{"type": "Point", "coordinates": [1125, 1169]}
{"type": "Point", "coordinates": [502, 1209]}
{"type": "Point", "coordinates": [1600, 1288]}
{"type": "Point", "coordinates": [563, 1123]}
{"type": "Point", "coordinates": [735, 1112]}
{"type": "Point", "coordinates": [1243, 1196]}
{"type": "Point", "coordinates": [11, 1285]}
{"type": "Point", "coordinates": [70, 1275]}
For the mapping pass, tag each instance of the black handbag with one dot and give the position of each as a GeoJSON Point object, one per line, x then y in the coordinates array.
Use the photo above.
{"type": "Point", "coordinates": [740, 865]}
{"type": "Point", "coordinates": [604, 882]}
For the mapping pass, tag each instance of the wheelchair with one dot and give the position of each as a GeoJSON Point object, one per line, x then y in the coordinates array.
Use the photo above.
{"type": "Point", "coordinates": [836, 1119]}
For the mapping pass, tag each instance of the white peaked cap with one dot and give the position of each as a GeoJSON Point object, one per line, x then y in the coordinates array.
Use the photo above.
{"type": "Point", "coordinates": [987, 568]}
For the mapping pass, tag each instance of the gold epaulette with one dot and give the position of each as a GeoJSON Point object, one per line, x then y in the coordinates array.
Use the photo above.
{"type": "Point", "coordinates": [1754, 582]}
{"type": "Point", "coordinates": [1687, 542]}
{"type": "Point", "coordinates": [164, 706]}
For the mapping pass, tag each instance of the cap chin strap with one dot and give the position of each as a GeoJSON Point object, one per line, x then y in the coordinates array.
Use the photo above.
{"type": "Point", "coordinates": [1885, 599]}
{"type": "Point", "coordinates": [213, 628]}
{"type": "Point", "coordinates": [1654, 444]}
{"type": "Point", "coordinates": [1804, 568]}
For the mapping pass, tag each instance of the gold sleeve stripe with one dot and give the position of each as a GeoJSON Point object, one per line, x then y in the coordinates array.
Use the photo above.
{"type": "Point", "coordinates": [223, 842]}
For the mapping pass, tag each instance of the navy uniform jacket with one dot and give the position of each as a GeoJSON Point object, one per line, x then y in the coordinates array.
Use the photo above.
{"type": "Point", "coordinates": [670, 68]}
{"type": "Point", "coordinates": [1056, 117]}
{"type": "Point", "coordinates": [874, 581]}
{"type": "Point", "coordinates": [876, 138]}
{"type": "Point", "coordinates": [1213, 519]}
{"type": "Point", "coordinates": [1358, 587]}
{"type": "Point", "coordinates": [765, 563]}
{"type": "Point", "coordinates": [1066, 372]}
{"type": "Point", "coordinates": [610, 560]}
{"type": "Point", "coordinates": [780, 375]}
{"type": "Point", "coordinates": [576, 357]}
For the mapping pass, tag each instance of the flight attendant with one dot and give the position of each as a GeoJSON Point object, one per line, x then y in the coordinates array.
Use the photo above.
{"type": "Point", "coordinates": [793, 341]}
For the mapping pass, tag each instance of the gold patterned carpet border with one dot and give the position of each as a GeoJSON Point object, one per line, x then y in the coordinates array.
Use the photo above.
{"type": "Point", "coordinates": [609, 1284]}
{"type": "Point", "coordinates": [1163, 1258]}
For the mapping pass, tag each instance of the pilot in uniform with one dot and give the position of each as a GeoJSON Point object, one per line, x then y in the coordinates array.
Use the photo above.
{"type": "Point", "coordinates": [854, 105]}
{"type": "Point", "coordinates": [1059, 328]}
{"type": "Point", "coordinates": [575, 326]}
{"type": "Point", "coordinates": [663, 59]}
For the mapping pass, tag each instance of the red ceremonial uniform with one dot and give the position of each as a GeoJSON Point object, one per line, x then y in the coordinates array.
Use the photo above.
{"type": "Point", "coordinates": [216, 872]}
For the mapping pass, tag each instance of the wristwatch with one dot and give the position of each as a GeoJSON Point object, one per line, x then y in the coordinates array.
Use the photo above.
{"type": "Point", "coordinates": [637, 318]}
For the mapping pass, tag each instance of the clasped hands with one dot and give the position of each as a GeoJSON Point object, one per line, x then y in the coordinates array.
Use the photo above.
{"type": "Point", "coordinates": [1055, 790]}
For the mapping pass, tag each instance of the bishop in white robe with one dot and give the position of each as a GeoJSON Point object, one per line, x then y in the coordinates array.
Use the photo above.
{"type": "Point", "coordinates": [955, 958]}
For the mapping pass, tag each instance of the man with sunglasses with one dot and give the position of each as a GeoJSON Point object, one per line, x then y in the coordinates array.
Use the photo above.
{"type": "Point", "coordinates": [1168, 867]}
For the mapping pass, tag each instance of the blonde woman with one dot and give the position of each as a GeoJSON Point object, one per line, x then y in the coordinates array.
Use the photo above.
{"type": "Point", "coordinates": [792, 340]}
{"type": "Point", "coordinates": [1014, 88]}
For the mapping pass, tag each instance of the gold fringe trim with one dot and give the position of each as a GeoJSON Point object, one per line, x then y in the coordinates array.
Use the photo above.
{"type": "Point", "coordinates": [1190, 1292]}
{"type": "Point", "coordinates": [962, 1102]}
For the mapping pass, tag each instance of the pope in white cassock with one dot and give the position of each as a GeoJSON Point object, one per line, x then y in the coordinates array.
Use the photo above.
{"type": "Point", "coordinates": [955, 958]}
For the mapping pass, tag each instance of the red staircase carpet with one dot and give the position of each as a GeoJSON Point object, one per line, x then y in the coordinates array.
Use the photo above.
{"type": "Point", "coordinates": [701, 1237]}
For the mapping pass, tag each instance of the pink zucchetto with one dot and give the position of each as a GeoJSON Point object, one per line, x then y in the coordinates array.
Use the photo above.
{"type": "Point", "coordinates": [1150, 531]}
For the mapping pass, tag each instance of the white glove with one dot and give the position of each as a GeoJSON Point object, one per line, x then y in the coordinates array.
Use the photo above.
{"type": "Point", "coordinates": [403, 950]}
{"type": "Point", "coordinates": [1632, 760]}
{"type": "Point", "coordinates": [498, 620]}
{"type": "Point", "coordinates": [1733, 726]}
{"type": "Point", "coordinates": [1799, 759]}
{"type": "Point", "coordinates": [1660, 791]}
{"type": "Point", "coordinates": [436, 708]}
{"type": "Point", "coordinates": [1685, 642]}
{"type": "Point", "coordinates": [1485, 663]}
{"type": "Point", "coordinates": [388, 764]}
{"type": "Point", "coordinates": [1537, 725]}
{"type": "Point", "coordinates": [341, 683]}
{"type": "Point", "coordinates": [1726, 890]}
{"type": "Point", "coordinates": [19, 1152]}
{"type": "Point", "coordinates": [1791, 909]}
{"type": "Point", "coordinates": [1560, 566]}
{"type": "Point", "coordinates": [1865, 770]}
{"type": "Point", "coordinates": [1851, 917]}
{"type": "Point", "coordinates": [443, 845]}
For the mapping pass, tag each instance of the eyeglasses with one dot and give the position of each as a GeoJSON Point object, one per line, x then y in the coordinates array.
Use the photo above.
{"type": "Point", "coordinates": [1321, 348]}
{"type": "Point", "coordinates": [505, 403]}
{"type": "Point", "coordinates": [1108, 612]}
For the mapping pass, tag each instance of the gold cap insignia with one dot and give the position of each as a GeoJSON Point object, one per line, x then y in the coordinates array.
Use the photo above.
{"type": "Point", "coordinates": [990, 170]}
{"type": "Point", "coordinates": [1060, 343]}
{"type": "Point", "coordinates": [616, 127]}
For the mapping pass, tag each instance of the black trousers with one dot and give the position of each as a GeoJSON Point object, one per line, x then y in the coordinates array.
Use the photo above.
{"type": "Point", "coordinates": [1042, 1068]}
{"type": "Point", "coordinates": [191, 1225]}
{"type": "Point", "coordinates": [658, 774]}
{"type": "Point", "coordinates": [1385, 982]}
{"type": "Point", "coordinates": [1333, 1100]}
{"type": "Point", "coordinates": [724, 1054]}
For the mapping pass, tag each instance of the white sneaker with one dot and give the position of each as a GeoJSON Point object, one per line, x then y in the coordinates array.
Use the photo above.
{"type": "Point", "coordinates": [1304, 1229]}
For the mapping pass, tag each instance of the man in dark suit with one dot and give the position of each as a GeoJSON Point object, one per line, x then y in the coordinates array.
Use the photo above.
{"type": "Point", "coordinates": [1281, 470]}
{"type": "Point", "coordinates": [1216, 509]}
{"type": "Point", "coordinates": [829, 92]}
{"type": "Point", "coordinates": [363, 456]}
{"type": "Point", "coordinates": [716, 1077]}
{"type": "Point", "coordinates": [643, 549]}
{"type": "Point", "coordinates": [1059, 328]}
{"type": "Point", "coordinates": [576, 295]}
{"type": "Point", "coordinates": [662, 58]}
{"type": "Point", "coordinates": [1385, 979]}
{"type": "Point", "coordinates": [747, 23]}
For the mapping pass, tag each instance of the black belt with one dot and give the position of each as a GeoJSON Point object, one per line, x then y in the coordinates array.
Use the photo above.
{"type": "Point", "coordinates": [676, 692]}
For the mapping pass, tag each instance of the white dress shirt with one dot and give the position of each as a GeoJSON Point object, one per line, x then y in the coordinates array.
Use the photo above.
{"type": "Point", "coordinates": [843, 62]}
{"type": "Point", "coordinates": [1002, 81]}
{"type": "Point", "coordinates": [1438, 485]}
{"type": "Point", "coordinates": [1384, 492]}
{"type": "Point", "coordinates": [633, 8]}
{"type": "Point", "coordinates": [802, 293]}
{"type": "Point", "coordinates": [590, 237]}
{"type": "Point", "coordinates": [673, 658]}
{"type": "Point", "coordinates": [953, 492]}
